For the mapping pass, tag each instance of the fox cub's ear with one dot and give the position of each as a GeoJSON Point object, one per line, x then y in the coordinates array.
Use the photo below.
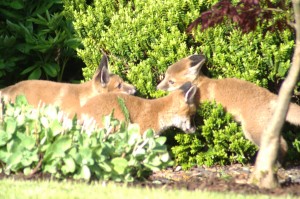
{"type": "Point", "coordinates": [190, 91]}
{"type": "Point", "coordinates": [197, 61]}
{"type": "Point", "coordinates": [102, 73]}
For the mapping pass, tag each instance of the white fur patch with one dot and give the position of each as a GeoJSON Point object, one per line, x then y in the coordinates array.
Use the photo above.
{"type": "Point", "coordinates": [211, 91]}
{"type": "Point", "coordinates": [60, 97]}
{"type": "Point", "coordinates": [273, 104]}
{"type": "Point", "coordinates": [181, 122]}
{"type": "Point", "coordinates": [83, 101]}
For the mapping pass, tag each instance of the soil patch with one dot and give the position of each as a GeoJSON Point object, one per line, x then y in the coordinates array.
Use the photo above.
{"type": "Point", "coordinates": [231, 178]}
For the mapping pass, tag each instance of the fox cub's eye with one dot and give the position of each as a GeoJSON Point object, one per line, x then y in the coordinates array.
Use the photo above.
{"type": "Point", "coordinates": [119, 86]}
{"type": "Point", "coordinates": [171, 82]}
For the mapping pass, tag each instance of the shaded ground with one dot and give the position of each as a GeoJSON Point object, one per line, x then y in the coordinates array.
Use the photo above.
{"type": "Point", "coordinates": [231, 178]}
{"type": "Point", "coordinates": [228, 178]}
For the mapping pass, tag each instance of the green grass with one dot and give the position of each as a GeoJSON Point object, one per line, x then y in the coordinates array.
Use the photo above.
{"type": "Point", "coordinates": [51, 189]}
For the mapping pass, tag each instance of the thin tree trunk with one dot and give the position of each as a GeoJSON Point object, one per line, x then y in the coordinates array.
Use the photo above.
{"type": "Point", "coordinates": [264, 174]}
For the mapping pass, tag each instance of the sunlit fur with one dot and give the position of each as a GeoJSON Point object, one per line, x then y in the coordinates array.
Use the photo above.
{"type": "Point", "coordinates": [251, 105]}
{"type": "Point", "coordinates": [175, 109]}
{"type": "Point", "coordinates": [69, 97]}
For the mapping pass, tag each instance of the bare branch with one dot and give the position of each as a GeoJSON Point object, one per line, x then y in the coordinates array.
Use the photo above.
{"type": "Point", "coordinates": [264, 174]}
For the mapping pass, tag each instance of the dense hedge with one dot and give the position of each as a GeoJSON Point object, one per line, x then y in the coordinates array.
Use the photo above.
{"type": "Point", "coordinates": [144, 37]}
{"type": "Point", "coordinates": [260, 57]}
{"type": "Point", "coordinates": [219, 140]}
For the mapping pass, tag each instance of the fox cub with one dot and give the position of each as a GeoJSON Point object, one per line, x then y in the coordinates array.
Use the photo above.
{"type": "Point", "coordinates": [176, 109]}
{"type": "Point", "coordinates": [251, 105]}
{"type": "Point", "coordinates": [68, 96]}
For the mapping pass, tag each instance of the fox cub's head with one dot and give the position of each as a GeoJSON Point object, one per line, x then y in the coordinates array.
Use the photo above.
{"type": "Point", "coordinates": [184, 107]}
{"type": "Point", "coordinates": [186, 69]}
{"type": "Point", "coordinates": [104, 82]}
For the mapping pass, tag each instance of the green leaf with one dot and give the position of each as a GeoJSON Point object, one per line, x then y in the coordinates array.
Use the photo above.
{"type": "Point", "coordinates": [139, 152]}
{"type": "Point", "coordinates": [21, 100]}
{"type": "Point", "coordinates": [133, 129]}
{"type": "Point", "coordinates": [155, 161]}
{"type": "Point", "coordinates": [9, 41]}
{"type": "Point", "coordinates": [56, 127]}
{"type": "Point", "coordinates": [10, 14]}
{"type": "Point", "coordinates": [282, 70]}
{"type": "Point", "coordinates": [27, 141]}
{"type": "Point", "coordinates": [84, 173]}
{"type": "Point", "coordinates": [150, 166]}
{"type": "Point", "coordinates": [124, 109]}
{"type": "Point", "coordinates": [28, 157]}
{"type": "Point", "coordinates": [4, 137]}
{"type": "Point", "coordinates": [86, 154]}
{"type": "Point", "coordinates": [24, 48]}
{"type": "Point", "coordinates": [165, 157]}
{"type": "Point", "coordinates": [28, 69]}
{"type": "Point", "coordinates": [51, 69]}
{"type": "Point", "coordinates": [17, 4]}
{"type": "Point", "coordinates": [11, 126]}
{"type": "Point", "coordinates": [58, 148]}
{"type": "Point", "coordinates": [4, 156]}
{"type": "Point", "coordinates": [40, 20]}
{"type": "Point", "coordinates": [35, 74]}
{"type": "Point", "coordinates": [72, 42]}
{"type": "Point", "coordinates": [14, 145]}
{"type": "Point", "coordinates": [161, 140]}
{"type": "Point", "coordinates": [44, 122]}
{"type": "Point", "coordinates": [14, 27]}
{"type": "Point", "coordinates": [27, 171]}
{"type": "Point", "coordinates": [69, 166]}
{"type": "Point", "coordinates": [14, 160]}
{"type": "Point", "coordinates": [106, 167]}
{"type": "Point", "coordinates": [20, 120]}
{"type": "Point", "coordinates": [51, 168]}
{"type": "Point", "coordinates": [134, 138]}
{"type": "Point", "coordinates": [119, 165]}
{"type": "Point", "coordinates": [148, 134]}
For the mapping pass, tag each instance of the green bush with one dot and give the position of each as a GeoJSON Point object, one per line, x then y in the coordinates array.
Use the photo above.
{"type": "Point", "coordinates": [218, 141]}
{"type": "Point", "coordinates": [33, 140]}
{"type": "Point", "coordinates": [144, 37]}
{"type": "Point", "coordinates": [259, 57]}
{"type": "Point", "coordinates": [36, 40]}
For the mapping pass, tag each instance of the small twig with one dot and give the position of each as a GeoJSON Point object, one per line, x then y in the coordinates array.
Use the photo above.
{"type": "Point", "coordinates": [36, 169]}
{"type": "Point", "coordinates": [291, 24]}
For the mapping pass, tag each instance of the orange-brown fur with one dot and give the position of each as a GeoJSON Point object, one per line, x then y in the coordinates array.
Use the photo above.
{"type": "Point", "coordinates": [250, 104]}
{"type": "Point", "coordinates": [175, 109]}
{"type": "Point", "coordinates": [69, 97]}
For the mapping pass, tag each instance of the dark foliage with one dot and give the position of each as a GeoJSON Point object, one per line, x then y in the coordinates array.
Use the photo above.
{"type": "Point", "coordinates": [247, 14]}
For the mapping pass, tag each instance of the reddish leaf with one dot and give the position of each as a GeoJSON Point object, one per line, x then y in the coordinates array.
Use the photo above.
{"type": "Point", "coordinates": [247, 14]}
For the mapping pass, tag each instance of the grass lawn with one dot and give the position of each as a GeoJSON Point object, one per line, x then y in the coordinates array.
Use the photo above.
{"type": "Point", "coordinates": [51, 189]}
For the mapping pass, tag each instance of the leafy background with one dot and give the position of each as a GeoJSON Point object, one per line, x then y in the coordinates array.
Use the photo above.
{"type": "Point", "coordinates": [36, 41]}
{"type": "Point", "coordinates": [64, 41]}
